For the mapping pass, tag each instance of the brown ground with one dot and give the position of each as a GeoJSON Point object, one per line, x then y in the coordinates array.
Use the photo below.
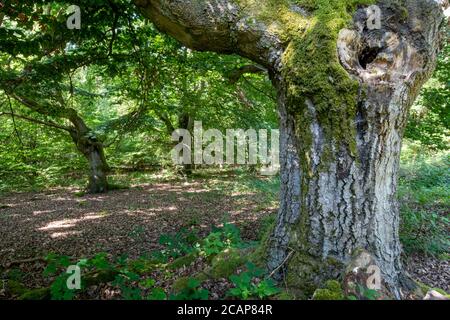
{"type": "Point", "coordinates": [131, 222]}
{"type": "Point", "coordinates": [121, 222]}
{"type": "Point", "coordinates": [125, 221]}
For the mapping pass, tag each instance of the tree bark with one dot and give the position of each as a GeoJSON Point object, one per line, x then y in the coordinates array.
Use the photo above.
{"type": "Point", "coordinates": [329, 212]}
{"type": "Point", "coordinates": [337, 189]}
{"type": "Point", "coordinates": [185, 122]}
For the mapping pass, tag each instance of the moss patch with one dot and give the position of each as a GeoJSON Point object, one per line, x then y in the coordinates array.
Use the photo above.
{"type": "Point", "coordinates": [182, 283]}
{"type": "Point", "coordinates": [284, 295]}
{"type": "Point", "coordinates": [36, 294]}
{"type": "Point", "coordinates": [305, 273]}
{"type": "Point", "coordinates": [226, 263]}
{"type": "Point", "coordinates": [332, 291]}
{"type": "Point", "coordinates": [259, 256]}
{"type": "Point", "coordinates": [182, 261]}
{"type": "Point", "coordinates": [312, 71]}
{"type": "Point", "coordinates": [311, 66]}
{"type": "Point", "coordinates": [15, 287]}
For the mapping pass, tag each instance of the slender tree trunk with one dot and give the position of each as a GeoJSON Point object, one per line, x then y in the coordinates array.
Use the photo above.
{"type": "Point", "coordinates": [98, 182]}
{"type": "Point", "coordinates": [82, 136]}
{"type": "Point", "coordinates": [93, 151]}
{"type": "Point", "coordinates": [185, 122]}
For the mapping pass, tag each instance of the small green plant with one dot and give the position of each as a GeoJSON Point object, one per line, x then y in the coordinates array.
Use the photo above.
{"type": "Point", "coordinates": [187, 241]}
{"type": "Point", "coordinates": [369, 294]}
{"type": "Point", "coordinates": [219, 239]}
{"type": "Point", "coordinates": [124, 280]}
{"type": "Point", "coordinates": [54, 263]}
{"type": "Point", "coordinates": [364, 293]}
{"type": "Point", "coordinates": [156, 293]}
{"type": "Point", "coordinates": [176, 245]}
{"type": "Point", "coordinates": [58, 264]}
{"type": "Point", "coordinates": [15, 274]}
{"type": "Point", "coordinates": [59, 290]}
{"type": "Point", "coordinates": [247, 284]}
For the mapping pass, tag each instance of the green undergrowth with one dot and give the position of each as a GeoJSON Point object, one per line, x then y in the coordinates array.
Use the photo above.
{"type": "Point", "coordinates": [223, 251]}
{"type": "Point", "coordinates": [424, 195]}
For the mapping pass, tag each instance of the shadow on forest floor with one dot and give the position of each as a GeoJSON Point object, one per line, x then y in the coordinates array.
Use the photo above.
{"type": "Point", "coordinates": [123, 221]}
{"type": "Point", "coordinates": [131, 221]}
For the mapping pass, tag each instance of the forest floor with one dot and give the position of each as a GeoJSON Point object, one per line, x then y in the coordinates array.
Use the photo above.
{"type": "Point", "coordinates": [131, 221]}
{"type": "Point", "coordinates": [122, 221]}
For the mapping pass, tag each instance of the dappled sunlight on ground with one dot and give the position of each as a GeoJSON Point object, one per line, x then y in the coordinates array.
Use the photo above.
{"type": "Point", "coordinates": [122, 221]}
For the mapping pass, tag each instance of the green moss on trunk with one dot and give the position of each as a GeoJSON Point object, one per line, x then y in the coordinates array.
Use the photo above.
{"type": "Point", "coordinates": [311, 68]}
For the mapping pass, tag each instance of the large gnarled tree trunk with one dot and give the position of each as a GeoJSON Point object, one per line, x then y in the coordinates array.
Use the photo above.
{"type": "Point", "coordinates": [344, 91]}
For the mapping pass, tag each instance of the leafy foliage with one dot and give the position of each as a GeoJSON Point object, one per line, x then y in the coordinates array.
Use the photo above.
{"type": "Point", "coordinates": [220, 239]}
{"type": "Point", "coordinates": [176, 245]}
{"type": "Point", "coordinates": [191, 292]}
{"type": "Point", "coordinates": [424, 195]}
{"type": "Point", "coordinates": [429, 121]}
{"type": "Point", "coordinates": [425, 232]}
{"type": "Point", "coordinates": [248, 284]}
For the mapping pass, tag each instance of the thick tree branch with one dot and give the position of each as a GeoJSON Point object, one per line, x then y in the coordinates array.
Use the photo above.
{"type": "Point", "coordinates": [222, 26]}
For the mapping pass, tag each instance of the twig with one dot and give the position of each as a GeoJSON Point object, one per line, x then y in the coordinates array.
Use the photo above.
{"type": "Point", "coordinates": [284, 261]}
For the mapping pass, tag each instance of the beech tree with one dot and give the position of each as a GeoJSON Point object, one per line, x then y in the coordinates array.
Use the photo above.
{"type": "Point", "coordinates": [346, 73]}
{"type": "Point", "coordinates": [39, 61]}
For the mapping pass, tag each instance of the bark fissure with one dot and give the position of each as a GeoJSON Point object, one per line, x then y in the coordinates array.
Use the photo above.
{"type": "Point", "coordinates": [350, 202]}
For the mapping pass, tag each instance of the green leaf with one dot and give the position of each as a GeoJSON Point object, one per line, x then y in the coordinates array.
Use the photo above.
{"type": "Point", "coordinates": [157, 294]}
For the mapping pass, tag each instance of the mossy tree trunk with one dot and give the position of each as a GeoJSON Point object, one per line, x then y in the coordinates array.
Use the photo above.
{"type": "Point", "coordinates": [344, 91]}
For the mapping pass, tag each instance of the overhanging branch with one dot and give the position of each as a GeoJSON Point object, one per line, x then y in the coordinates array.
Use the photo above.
{"type": "Point", "coordinates": [45, 123]}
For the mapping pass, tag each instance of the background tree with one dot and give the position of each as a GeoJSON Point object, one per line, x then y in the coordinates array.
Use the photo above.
{"type": "Point", "coordinates": [41, 55]}
{"type": "Point", "coordinates": [115, 83]}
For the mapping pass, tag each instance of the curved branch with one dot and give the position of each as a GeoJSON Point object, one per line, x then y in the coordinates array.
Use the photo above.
{"type": "Point", "coordinates": [45, 123]}
{"type": "Point", "coordinates": [221, 26]}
